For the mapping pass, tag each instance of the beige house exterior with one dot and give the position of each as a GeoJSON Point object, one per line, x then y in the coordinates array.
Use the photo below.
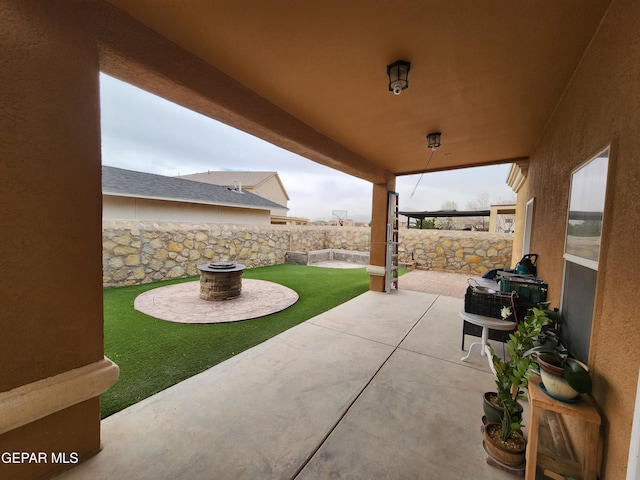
{"type": "Point", "coordinates": [122, 208]}
{"type": "Point", "coordinates": [266, 184]}
{"type": "Point", "coordinates": [130, 195]}
{"type": "Point", "coordinates": [546, 85]}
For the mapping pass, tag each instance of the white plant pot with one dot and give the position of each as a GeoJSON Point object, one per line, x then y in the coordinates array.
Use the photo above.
{"type": "Point", "coordinates": [557, 387]}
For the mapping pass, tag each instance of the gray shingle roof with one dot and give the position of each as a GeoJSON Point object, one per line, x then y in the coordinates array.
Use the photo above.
{"type": "Point", "coordinates": [249, 179]}
{"type": "Point", "coordinates": [117, 181]}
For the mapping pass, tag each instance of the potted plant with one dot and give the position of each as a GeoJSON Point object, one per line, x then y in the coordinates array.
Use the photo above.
{"type": "Point", "coordinates": [550, 322]}
{"type": "Point", "coordinates": [563, 377]}
{"type": "Point", "coordinates": [504, 441]}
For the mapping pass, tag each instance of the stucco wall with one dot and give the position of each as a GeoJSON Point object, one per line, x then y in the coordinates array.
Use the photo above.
{"type": "Point", "coordinates": [114, 207]}
{"type": "Point", "coordinates": [601, 107]}
{"type": "Point", "coordinates": [142, 252]}
{"type": "Point", "coordinates": [50, 290]}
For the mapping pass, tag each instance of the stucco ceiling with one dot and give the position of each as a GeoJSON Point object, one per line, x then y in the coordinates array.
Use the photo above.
{"type": "Point", "coordinates": [487, 74]}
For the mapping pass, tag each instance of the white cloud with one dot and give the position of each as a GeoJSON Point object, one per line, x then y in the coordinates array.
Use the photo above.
{"type": "Point", "coordinates": [461, 186]}
{"type": "Point", "coordinates": [146, 133]}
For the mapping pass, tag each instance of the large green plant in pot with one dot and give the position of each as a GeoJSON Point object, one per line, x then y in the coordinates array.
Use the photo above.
{"type": "Point", "coordinates": [512, 375]}
{"type": "Point", "coordinates": [504, 441]}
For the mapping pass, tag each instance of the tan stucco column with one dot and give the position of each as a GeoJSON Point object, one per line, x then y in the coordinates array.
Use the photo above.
{"type": "Point", "coordinates": [378, 248]}
{"type": "Point", "coordinates": [53, 368]}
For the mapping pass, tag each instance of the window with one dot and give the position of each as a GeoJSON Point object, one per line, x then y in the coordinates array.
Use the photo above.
{"type": "Point", "coordinates": [586, 209]}
{"type": "Point", "coordinates": [582, 252]}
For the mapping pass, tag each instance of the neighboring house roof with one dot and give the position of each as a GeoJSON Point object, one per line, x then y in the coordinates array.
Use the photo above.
{"type": "Point", "coordinates": [246, 179]}
{"type": "Point", "coordinates": [128, 183]}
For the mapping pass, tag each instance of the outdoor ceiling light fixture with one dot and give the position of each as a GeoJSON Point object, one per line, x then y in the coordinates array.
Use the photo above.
{"type": "Point", "coordinates": [433, 140]}
{"type": "Point", "coordinates": [398, 73]}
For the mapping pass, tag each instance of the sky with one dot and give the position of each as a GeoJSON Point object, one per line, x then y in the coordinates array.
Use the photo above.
{"type": "Point", "coordinates": [146, 133]}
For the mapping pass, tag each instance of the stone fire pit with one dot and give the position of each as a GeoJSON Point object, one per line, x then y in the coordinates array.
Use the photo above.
{"type": "Point", "coordinates": [220, 280]}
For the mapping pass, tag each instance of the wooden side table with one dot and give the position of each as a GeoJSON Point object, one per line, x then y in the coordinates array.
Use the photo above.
{"type": "Point", "coordinates": [584, 410]}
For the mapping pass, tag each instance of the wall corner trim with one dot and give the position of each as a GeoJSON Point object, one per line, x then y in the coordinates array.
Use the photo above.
{"type": "Point", "coordinates": [517, 175]}
{"type": "Point", "coordinates": [31, 402]}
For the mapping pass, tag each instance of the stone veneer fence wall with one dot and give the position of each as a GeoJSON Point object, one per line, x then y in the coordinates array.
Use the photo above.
{"type": "Point", "coordinates": [136, 252]}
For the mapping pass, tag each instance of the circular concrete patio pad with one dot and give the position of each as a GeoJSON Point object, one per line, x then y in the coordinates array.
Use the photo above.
{"type": "Point", "coordinates": [181, 303]}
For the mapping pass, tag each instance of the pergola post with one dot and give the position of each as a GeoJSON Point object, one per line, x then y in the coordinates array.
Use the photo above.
{"type": "Point", "coordinates": [378, 246]}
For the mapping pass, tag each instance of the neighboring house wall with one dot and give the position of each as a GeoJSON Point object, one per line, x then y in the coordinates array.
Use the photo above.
{"type": "Point", "coordinates": [272, 190]}
{"type": "Point", "coordinates": [601, 106]}
{"type": "Point", "coordinates": [128, 208]}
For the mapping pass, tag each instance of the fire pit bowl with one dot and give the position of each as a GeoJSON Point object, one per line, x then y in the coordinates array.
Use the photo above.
{"type": "Point", "coordinates": [220, 280]}
{"type": "Point", "coordinates": [220, 265]}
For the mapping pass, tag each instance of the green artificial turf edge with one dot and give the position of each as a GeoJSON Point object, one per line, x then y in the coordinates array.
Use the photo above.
{"type": "Point", "coordinates": [154, 354]}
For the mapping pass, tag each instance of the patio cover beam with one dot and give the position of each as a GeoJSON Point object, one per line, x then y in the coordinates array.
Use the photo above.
{"type": "Point", "coordinates": [136, 54]}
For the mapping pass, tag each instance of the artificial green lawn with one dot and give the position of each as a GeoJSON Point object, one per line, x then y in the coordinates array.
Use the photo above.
{"type": "Point", "coordinates": [154, 354]}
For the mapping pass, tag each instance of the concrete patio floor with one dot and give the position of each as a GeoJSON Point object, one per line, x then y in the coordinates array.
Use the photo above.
{"type": "Point", "coordinates": [373, 388]}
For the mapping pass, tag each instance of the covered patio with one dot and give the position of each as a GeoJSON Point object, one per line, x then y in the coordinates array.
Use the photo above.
{"type": "Point", "coordinates": [545, 86]}
{"type": "Point", "coordinates": [373, 388]}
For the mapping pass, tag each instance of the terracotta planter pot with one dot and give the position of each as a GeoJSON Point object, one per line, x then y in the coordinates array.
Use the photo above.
{"type": "Point", "coordinates": [512, 454]}
{"type": "Point", "coordinates": [494, 412]}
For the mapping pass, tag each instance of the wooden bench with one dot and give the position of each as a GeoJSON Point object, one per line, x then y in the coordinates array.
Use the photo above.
{"type": "Point", "coordinates": [556, 464]}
